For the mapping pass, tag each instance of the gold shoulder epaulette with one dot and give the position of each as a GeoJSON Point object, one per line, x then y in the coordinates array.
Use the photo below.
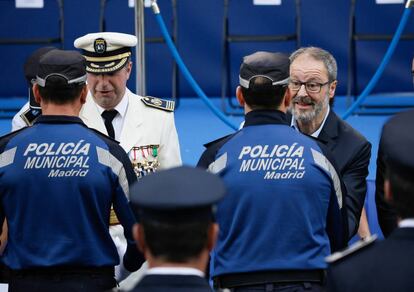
{"type": "Point", "coordinates": [30, 115]}
{"type": "Point", "coordinates": [357, 246]}
{"type": "Point", "coordinates": [167, 105]}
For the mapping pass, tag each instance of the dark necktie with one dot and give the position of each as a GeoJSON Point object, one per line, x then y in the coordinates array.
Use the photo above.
{"type": "Point", "coordinates": [108, 117]}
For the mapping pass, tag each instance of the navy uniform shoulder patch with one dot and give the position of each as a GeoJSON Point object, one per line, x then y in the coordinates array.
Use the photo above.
{"type": "Point", "coordinates": [354, 248]}
{"type": "Point", "coordinates": [163, 104]}
{"type": "Point", "coordinates": [30, 115]}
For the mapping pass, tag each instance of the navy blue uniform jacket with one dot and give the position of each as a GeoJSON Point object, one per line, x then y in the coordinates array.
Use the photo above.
{"type": "Point", "coordinates": [284, 206]}
{"type": "Point", "coordinates": [384, 266]}
{"type": "Point", "coordinates": [58, 180]}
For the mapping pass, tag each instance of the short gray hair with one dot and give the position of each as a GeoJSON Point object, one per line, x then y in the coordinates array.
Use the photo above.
{"type": "Point", "coordinates": [319, 55]}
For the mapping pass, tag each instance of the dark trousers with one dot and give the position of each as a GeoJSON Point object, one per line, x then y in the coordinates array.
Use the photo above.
{"type": "Point", "coordinates": [62, 280]}
{"type": "Point", "coordinates": [293, 287]}
{"type": "Point", "coordinates": [4, 273]}
{"type": "Point", "coordinates": [269, 281]}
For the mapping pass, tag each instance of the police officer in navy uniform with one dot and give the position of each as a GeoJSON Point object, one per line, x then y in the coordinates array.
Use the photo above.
{"type": "Point", "coordinates": [31, 110]}
{"type": "Point", "coordinates": [58, 180]}
{"type": "Point", "coordinates": [25, 117]}
{"type": "Point", "coordinates": [385, 265]}
{"type": "Point", "coordinates": [386, 213]}
{"type": "Point", "coordinates": [284, 211]}
{"type": "Point", "coordinates": [176, 230]}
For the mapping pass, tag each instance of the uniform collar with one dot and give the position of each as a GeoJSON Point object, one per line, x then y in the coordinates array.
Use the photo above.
{"type": "Point", "coordinates": [44, 119]}
{"type": "Point", "coordinates": [121, 107]}
{"type": "Point", "coordinates": [261, 117]}
{"type": "Point", "coordinates": [175, 271]}
{"type": "Point", "coordinates": [315, 134]}
{"type": "Point", "coordinates": [409, 222]}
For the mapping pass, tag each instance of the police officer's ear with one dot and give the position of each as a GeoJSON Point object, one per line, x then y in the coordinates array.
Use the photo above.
{"type": "Point", "coordinates": [212, 235]}
{"type": "Point", "coordinates": [36, 93]}
{"type": "Point", "coordinates": [83, 94]}
{"type": "Point", "coordinates": [387, 191]}
{"type": "Point", "coordinates": [139, 237]}
{"type": "Point", "coordinates": [287, 98]}
{"type": "Point", "coordinates": [240, 97]}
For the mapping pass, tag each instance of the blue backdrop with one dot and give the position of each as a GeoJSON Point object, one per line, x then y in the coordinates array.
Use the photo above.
{"type": "Point", "coordinates": [325, 23]}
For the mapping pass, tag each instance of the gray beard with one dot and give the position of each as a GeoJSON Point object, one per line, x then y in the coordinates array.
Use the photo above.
{"type": "Point", "coordinates": [307, 117]}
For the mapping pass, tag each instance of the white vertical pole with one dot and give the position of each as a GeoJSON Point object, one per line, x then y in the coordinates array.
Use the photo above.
{"type": "Point", "coordinates": [140, 49]}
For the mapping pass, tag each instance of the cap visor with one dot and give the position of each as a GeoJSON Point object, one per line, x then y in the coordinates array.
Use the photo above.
{"type": "Point", "coordinates": [105, 67]}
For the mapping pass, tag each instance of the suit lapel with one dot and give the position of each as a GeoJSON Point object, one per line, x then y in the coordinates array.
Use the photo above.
{"type": "Point", "coordinates": [329, 132]}
{"type": "Point", "coordinates": [132, 122]}
{"type": "Point", "coordinates": [91, 117]}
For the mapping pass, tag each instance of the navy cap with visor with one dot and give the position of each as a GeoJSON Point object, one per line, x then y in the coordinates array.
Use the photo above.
{"type": "Point", "coordinates": [273, 66]}
{"type": "Point", "coordinates": [69, 65]}
{"type": "Point", "coordinates": [181, 194]}
{"type": "Point", "coordinates": [397, 145]}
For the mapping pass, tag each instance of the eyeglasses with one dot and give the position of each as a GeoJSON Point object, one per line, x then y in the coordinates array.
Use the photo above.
{"type": "Point", "coordinates": [311, 87]}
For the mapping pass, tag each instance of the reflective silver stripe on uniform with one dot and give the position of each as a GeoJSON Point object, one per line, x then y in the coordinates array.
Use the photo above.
{"type": "Point", "coordinates": [323, 162]}
{"type": "Point", "coordinates": [7, 157]}
{"type": "Point", "coordinates": [107, 159]}
{"type": "Point", "coordinates": [219, 164]}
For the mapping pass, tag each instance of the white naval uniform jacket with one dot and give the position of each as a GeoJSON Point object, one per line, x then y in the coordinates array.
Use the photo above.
{"type": "Point", "coordinates": [143, 125]}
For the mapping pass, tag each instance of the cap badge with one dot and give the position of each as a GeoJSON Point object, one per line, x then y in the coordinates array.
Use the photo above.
{"type": "Point", "coordinates": [100, 46]}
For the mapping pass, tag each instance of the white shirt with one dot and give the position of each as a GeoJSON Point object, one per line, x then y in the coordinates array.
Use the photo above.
{"type": "Point", "coordinates": [118, 121]}
{"type": "Point", "coordinates": [174, 271]}
{"type": "Point", "coordinates": [406, 223]}
{"type": "Point", "coordinates": [318, 131]}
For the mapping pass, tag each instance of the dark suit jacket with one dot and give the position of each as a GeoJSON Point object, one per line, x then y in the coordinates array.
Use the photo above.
{"type": "Point", "coordinates": [179, 283]}
{"type": "Point", "coordinates": [386, 214]}
{"type": "Point", "coordinates": [384, 266]}
{"type": "Point", "coordinates": [351, 152]}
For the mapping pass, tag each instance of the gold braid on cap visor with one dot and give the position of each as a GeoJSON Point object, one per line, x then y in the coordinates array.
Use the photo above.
{"type": "Point", "coordinates": [103, 70]}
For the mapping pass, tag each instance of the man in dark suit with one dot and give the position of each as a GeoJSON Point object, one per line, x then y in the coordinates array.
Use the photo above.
{"type": "Point", "coordinates": [386, 265]}
{"type": "Point", "coordinates": [176, 231]}
{"type": "Point", "coordinates": [387, 216]}
{"type": "Point", "coordinates": [316, 70]}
